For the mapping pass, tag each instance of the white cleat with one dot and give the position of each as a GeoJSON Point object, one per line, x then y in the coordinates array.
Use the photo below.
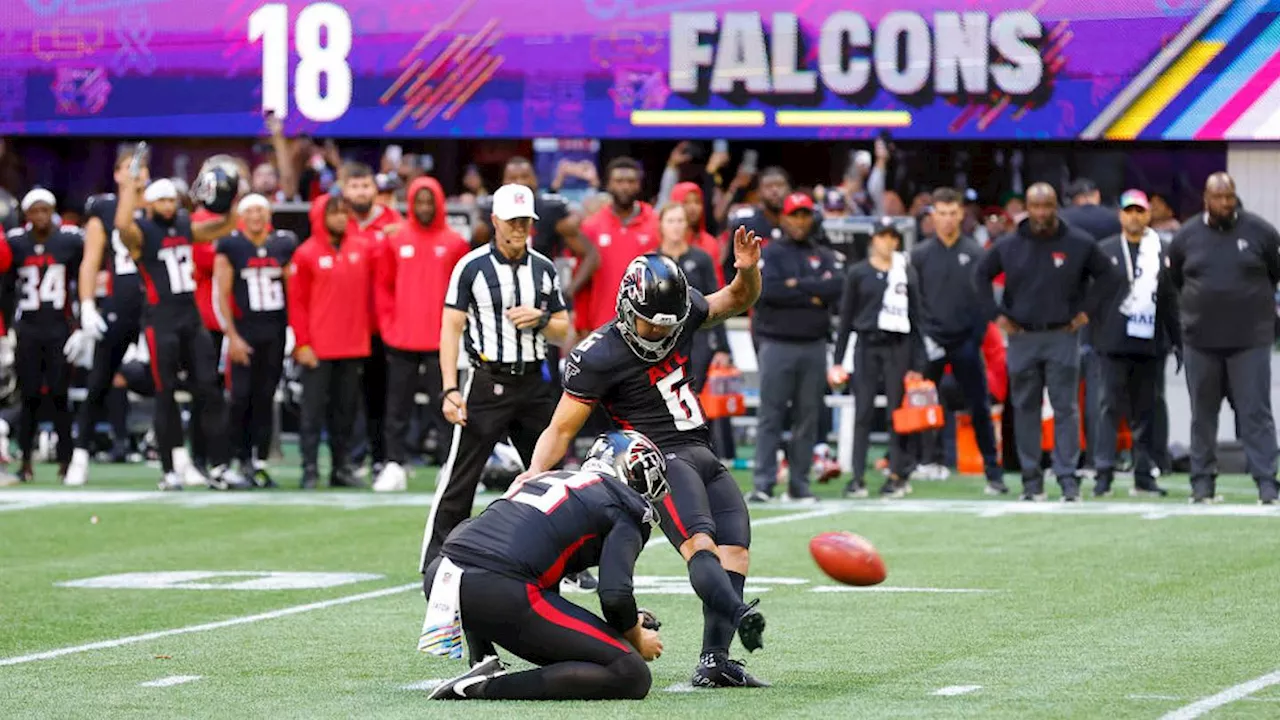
{"type": "Point", "coordinates": [78, 469]}
{"type": "Point", "coordinates": [171, 482]}
{"type": "Point", "coordinates": [392, 479]}
{"type": "Point", "coordinates": [192, 477]}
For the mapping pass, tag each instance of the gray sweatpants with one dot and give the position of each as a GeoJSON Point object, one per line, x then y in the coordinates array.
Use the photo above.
{"type": "Point", "coordinates": [1246, 375]}
{"type": "Point", "coordinates": [795, 374]}
{"type": "Point", "coordinates": [1040, 360]}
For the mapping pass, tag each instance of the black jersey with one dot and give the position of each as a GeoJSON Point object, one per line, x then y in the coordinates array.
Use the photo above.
{"type": "Point", "coordinates": [258, 287]}
{"type": "Point", "coordinates": [556, 523]}
{"type": "Point", "coordinates": [44, 273]}
{"type": "Point", "coordinates": [550, 209]}
{"type": "Point", "coordinates": [119, 288]}
{"type": "Point", "coordinates": [654, 399]}
{"type": "Point", "coordinates": [167, 266]}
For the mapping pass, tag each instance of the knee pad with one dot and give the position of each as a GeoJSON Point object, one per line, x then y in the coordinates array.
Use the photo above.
{"type": "Point", "coordinates": [631, 677]}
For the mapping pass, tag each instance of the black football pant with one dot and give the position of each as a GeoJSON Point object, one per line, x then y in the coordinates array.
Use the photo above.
{"type": "Point", "coordinates": [498, 406]}
{"type": "Point", "coordinates": [199, 453]}
{"type": "Point", "coordinates": [879, 362]}
{"type": "Point", "coordinates": [107, 356]}
{"type": "Point", "coordinates": [253, 391]}
{"type": "Point", "coordinates": [330, 397]}
{"type": "Point", "coordinates": [187, 346]}
{"type": "Point", "coordinates": [372, 444]}
{"type": "Point", "coordinates": [580, 656]}
{"type": "Point", "coordinates": [43, 377]}
{"type": "Point", "coordinates": [409, 373]}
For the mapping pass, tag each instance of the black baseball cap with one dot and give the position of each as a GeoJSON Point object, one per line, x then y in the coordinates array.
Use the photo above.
{"type": "Point", "coordinates": [886, 226]}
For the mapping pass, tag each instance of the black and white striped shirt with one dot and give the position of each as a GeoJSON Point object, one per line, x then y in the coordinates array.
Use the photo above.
{"type": "Point", "coordinates": [485, 284]}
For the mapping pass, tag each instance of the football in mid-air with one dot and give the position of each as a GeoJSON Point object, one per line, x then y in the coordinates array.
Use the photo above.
{"type": "Point", "coordinates": [847, 558]}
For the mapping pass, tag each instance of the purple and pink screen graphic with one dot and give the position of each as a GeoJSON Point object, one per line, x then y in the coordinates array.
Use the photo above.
{"type": "Point", "coordinates": [981, 69]}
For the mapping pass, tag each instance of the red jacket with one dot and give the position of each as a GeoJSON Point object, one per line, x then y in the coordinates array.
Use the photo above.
{"type": "Point", "coordinates": [619, 244]}
{"type": "Point", "coordinates": [202, 255]}
{"type": "Point", "coordinates": [329, 290]}
{"type": "Point", "coordinates": [411, 275]}
{"type": "Point", "coordinates": [700, 238]}
{"type": "Point", "coordinates": [372, 231]}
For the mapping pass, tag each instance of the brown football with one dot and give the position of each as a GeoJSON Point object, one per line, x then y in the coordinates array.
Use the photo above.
{"type": "Point", "coordinates": [847, 558]}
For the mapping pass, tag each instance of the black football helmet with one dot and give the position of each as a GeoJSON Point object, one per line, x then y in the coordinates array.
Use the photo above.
{"type": "Point", "coordinates": [631, 458]}
{"type": "Point", "coordinates": [653, 288]}
{"type": "Point", "coordinates": [218, 184]}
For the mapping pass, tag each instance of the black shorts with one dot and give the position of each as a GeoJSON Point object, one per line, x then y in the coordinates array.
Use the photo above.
{"type": "Point", "coordinates": [704, 498]}
{"type": "Point", "coordinates": [538, 625]}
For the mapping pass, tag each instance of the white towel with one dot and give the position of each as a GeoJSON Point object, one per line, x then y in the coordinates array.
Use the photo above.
{"type": "Point", "coordinates": [442, 627]}
{"type": "Point", "coordinates": [1140, 305]}
{"type": "Point", "coordinates": [893, 309]}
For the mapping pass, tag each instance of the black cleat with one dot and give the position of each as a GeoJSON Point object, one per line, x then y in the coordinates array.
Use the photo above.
{"type": "Point", "coordinates": [855, 489]}
{"type": "Point", "coordinates": [751, 627]}
{"type": "Point", "coordinates": [718, 671]}
{"type": "Point", "coordinates": [310, 478]}
{"type": "Point", "coordinates": [225, 478]}
{"type": "Point", "coordinates": [262, 479]}
{"type": "Point", "coordinates": [996, 486]}
{"type": "Point", "coordinates": [467, 686]}
{"type": "Point", "coordinates": [584, 581]}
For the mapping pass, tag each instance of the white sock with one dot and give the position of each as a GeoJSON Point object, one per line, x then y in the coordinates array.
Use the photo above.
{"type": "Point", "coordinates": [181, 460]}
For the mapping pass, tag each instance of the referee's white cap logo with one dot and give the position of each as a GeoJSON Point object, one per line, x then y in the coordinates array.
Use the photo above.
{"type": "Point", "coordinates": [513, 201]}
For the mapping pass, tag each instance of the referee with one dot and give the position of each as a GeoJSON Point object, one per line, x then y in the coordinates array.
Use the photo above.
{"type": "Point", "coordinates": [506, 297]}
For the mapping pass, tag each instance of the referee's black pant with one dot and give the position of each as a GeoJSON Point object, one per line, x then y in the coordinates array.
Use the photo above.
{"type": "Point", "coordinates": [498, 406]}
{"type": "Point", "coordinates": [43, 375]}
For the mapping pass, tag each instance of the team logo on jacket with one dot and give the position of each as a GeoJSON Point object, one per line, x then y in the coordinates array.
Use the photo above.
{"type": "Point", "coordinates": [498, 389]}
{"type": "Point", "coordinates": [353, 257]}
{"type": "Point", "coordinates": [1059, 259]}
{"type": "Point", "coordinates": [815, 262]}
{"type": "Point", "coordinates": [406, 251]}
{"type": "Point", "coordinates": [326, 262]}
{"type": "Point", "coordinates": [963, 258]}
{"type": "Point", "coordinates": [1242, 244]}
{"type": "Point", "coordinates": [605, 240]}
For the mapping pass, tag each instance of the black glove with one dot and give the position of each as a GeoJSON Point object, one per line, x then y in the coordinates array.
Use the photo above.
{"type": "Point", "coordinates": [650, 621]}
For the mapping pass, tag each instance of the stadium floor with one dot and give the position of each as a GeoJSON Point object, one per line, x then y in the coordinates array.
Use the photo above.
{"type": "Point", "coordinates": [121, 602]}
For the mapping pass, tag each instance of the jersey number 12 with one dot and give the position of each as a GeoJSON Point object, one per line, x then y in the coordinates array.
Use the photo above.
{"type": "Point", "coordinates": [181, 268]}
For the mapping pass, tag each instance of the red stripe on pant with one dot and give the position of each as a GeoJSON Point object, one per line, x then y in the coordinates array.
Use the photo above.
{"type": "Point", "coordinates": [551, 613]}
{"type": "Point", "coordinates": [155, 359]}
{"type": "Point", "coordinates": [670, 505]}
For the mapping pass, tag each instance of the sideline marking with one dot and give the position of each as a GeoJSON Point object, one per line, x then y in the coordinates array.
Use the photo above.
{"type": "Point", "coordinates": [170, 681]}
{"type": "Point", "coordinates": [953, 690]}
{"type": "Point", "coordinates": [243, 620]}
{"type": "Point", "coordinates": [1230, 695]}
{"type": "Point", "coordinates": [680, 687]}
{"type": "Point", "coordinates": [430, 684]}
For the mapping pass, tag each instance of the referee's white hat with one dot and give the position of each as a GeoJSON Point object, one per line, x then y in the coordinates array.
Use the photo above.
{"type": "Point", "coordinates": [513, 201]}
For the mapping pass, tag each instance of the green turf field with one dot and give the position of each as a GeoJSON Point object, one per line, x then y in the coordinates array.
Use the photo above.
{"type": "Point", "coordinates": [992, 608]}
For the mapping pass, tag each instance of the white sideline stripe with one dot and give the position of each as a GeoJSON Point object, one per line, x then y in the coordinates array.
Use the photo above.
{"type": "Point", "coordinates": [1230, 695]}
{"type": "Point", "coordinates": [170, 681]}
{"type": "Point", "coordinates": [1181, 698]}
{"type": "Point", "coordinates": [775, 520]}
{"type": "Point", "coordinates": [952, 690]}
{"type": "Point", "coordinates": [890, 589]}
{"type": "Point", "coordinates": [431, 684]}
{"type": "Point", "coordinates": [243, 620]}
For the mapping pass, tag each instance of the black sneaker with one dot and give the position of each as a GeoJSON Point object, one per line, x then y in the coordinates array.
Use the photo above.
{"type": "Point", "coordinates": [892, 489]}
{"type": "Point", "coordinates": [855, 489]}
{"type": "Point", "coordinates": [1102, 484]}
{"type": "Point", "coordinates": [1070, 485]}
{"type": "Point", "coordinates": [583, 580]}
{"type": "Point", "coordinates": [996, 486]}
{"type": "Point", "coordinates": [227, 479]}
{"type": "Point", "coordinates": [468, 685]}
{"type": "Point", "coordinates": [345, 479]}
{"type": "Point", "coordinates": [718, 671]}
{"type": "Point", "coordinates": [751, 627]}
{"type": "Point", "coordinates": [1268, 491]}
{"type": "Point", "coordinates": [310, 478]}
{"type": "Point", "coordinates": [1147, 488]}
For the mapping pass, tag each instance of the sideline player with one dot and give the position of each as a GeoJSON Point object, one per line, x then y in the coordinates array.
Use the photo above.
{"type": "Point", "coordinates": [497, 576]}
{"type": "Point", "coordinates": [108, 276]}
{"type": "Point", "coordinates": [638, 367]}
{"type": "Point", "coordinates": [159, 238]}
{"type": "Point", "coordinates": [42, 258]}
{"type": "Point", "coordinates": [248, 273]}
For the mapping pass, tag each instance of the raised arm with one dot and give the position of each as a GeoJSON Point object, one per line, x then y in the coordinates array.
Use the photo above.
{"type": "Point", "coordinates": [127, 194]}
{"type": "Point", "coordinates": [210, 230]}
{"type": "Point", "coordinates": [742, 293]}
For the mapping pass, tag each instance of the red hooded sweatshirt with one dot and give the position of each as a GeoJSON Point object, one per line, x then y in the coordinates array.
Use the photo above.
{"type": "Point", "coordinates": [619, 242]}
{"type": "Point", "coordinates": [330, 291]}
{"type": "Point", "coordinates": [701, 238]}
{"type": "Point", "coordinates": [411, 275]}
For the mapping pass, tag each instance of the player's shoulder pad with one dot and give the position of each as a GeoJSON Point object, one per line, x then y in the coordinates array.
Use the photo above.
{"type": "Point", "coordinates": [287, 235]}
{"type": "Point", "coordinates": [595, 351]}
{"type": "Point", "coordinates": [95, 200]}
{"type": "Point", "coordinates": [16, 232]}
{"type": "Point", "coordinates": [552, 198]}
{"type": "Point", "coordinates": [72, 230]}
{"type": "Point", "coordinates": [745, 213]}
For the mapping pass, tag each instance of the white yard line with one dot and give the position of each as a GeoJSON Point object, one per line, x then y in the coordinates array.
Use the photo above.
{"type": "Point", "coordinates": [431, 684]}
{"type": "Point", "coordinates": [203, 627]}
{"type": "Point", "coordinates": [1230, 695]}
{"type": "Point", "coordinates": [680, 687]}
{"type": "Point", "coordinates": [888, 589]}
{"type": "Point", "coordinates": [952, 690]}
{"type": "Point", "coordinates": [170, 681]}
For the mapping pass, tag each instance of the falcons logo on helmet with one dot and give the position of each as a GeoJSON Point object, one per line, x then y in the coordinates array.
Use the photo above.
{"type": "Point", "coordinates": [633, 282]}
